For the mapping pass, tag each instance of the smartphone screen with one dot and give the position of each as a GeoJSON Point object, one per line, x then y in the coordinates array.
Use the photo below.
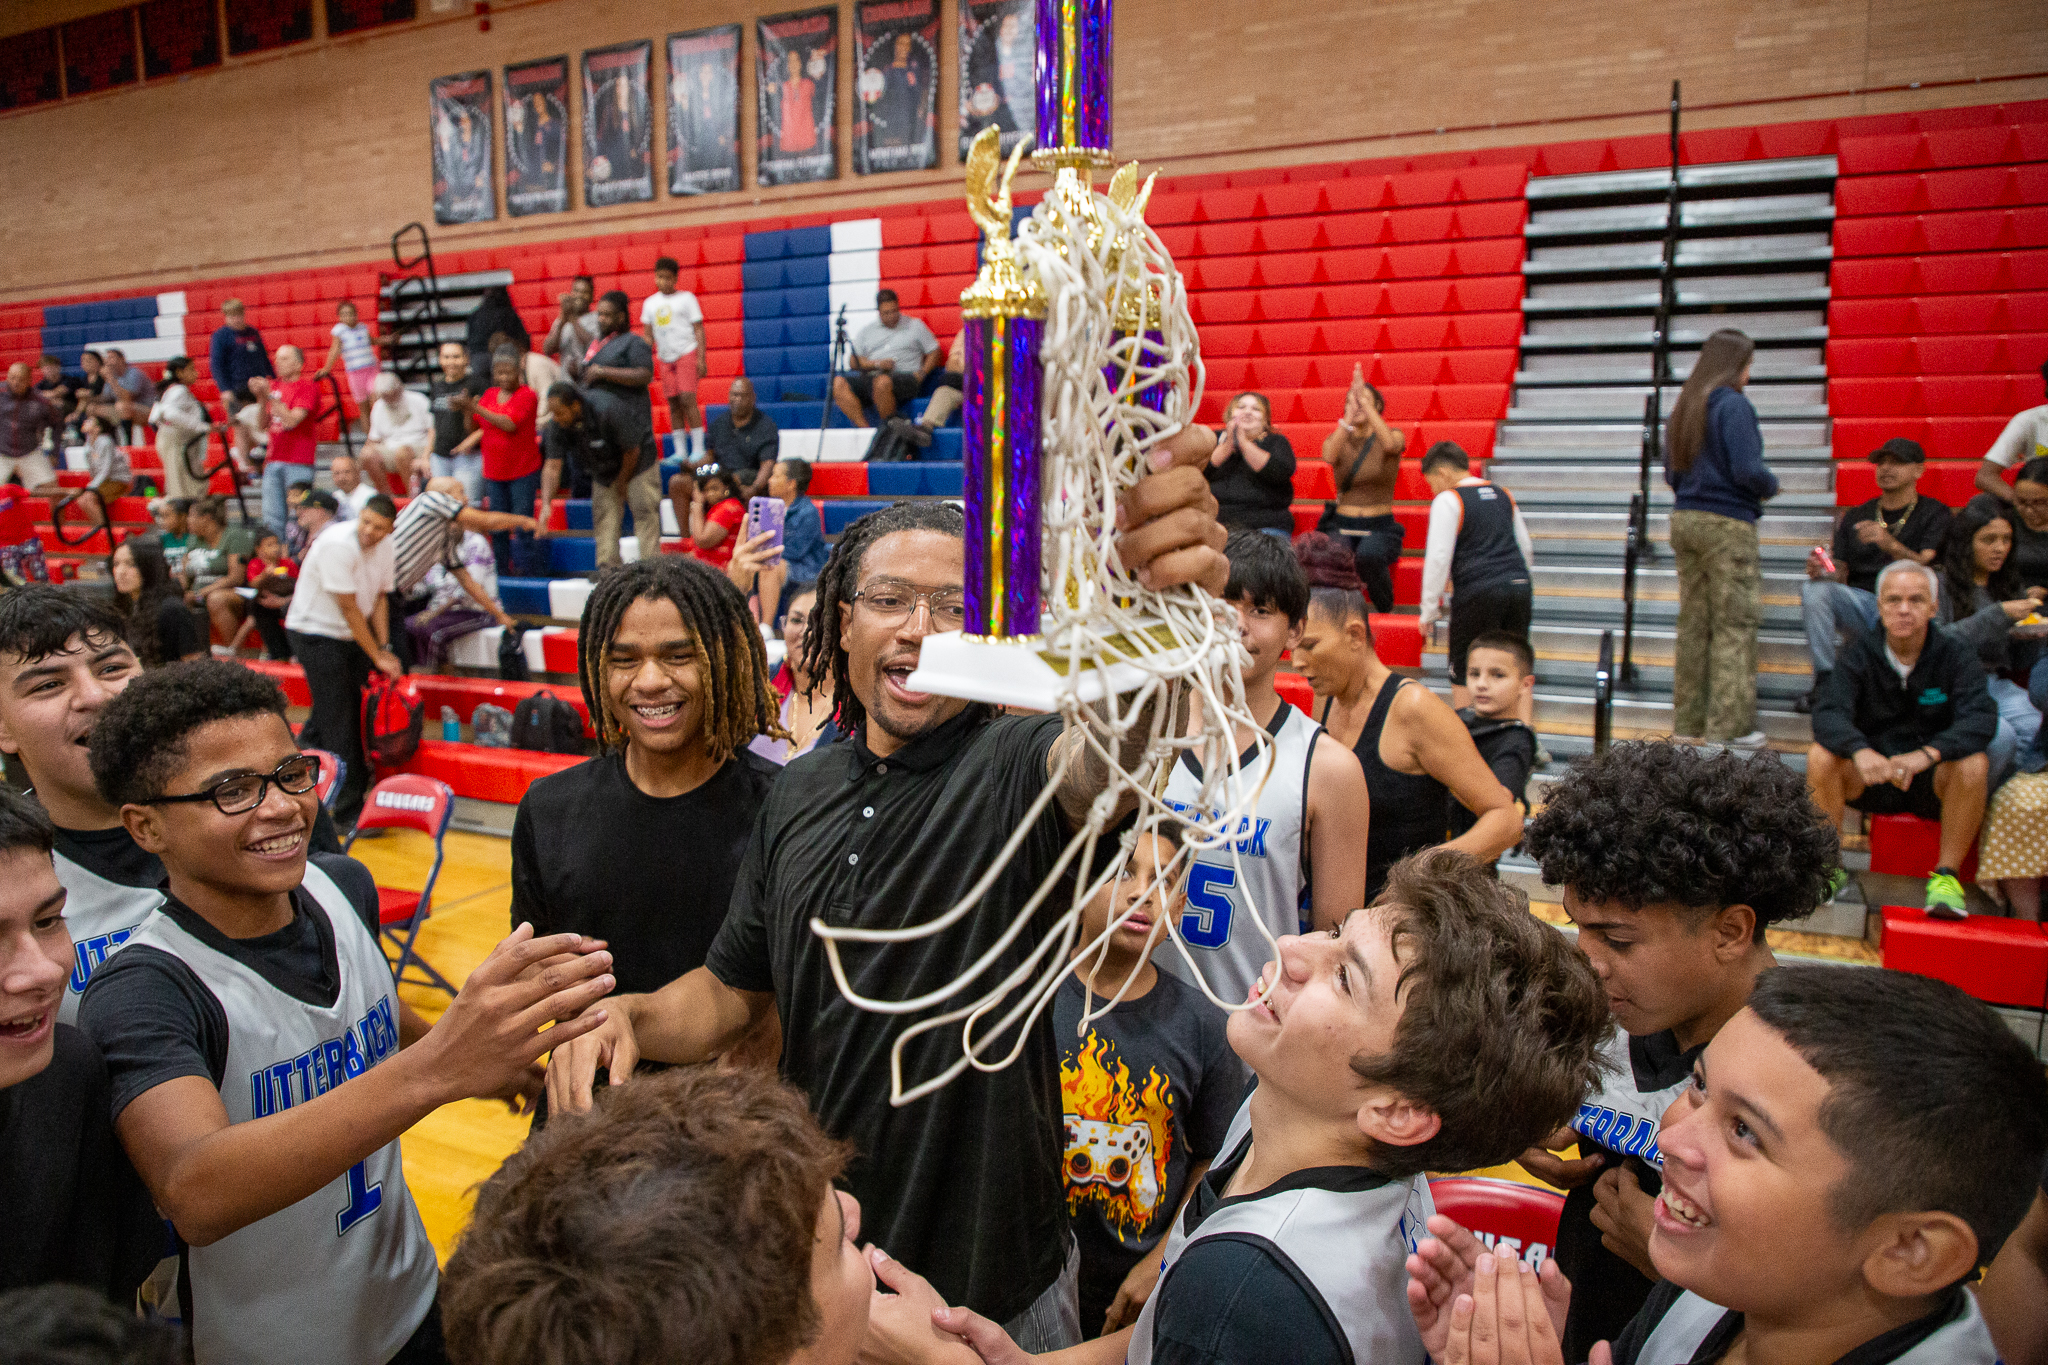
{"type": "Point", "coordinates": [765, 514]}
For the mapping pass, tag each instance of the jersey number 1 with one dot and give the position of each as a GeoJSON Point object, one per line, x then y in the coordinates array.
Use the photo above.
{"type": "Point", "coordinates": [364, 1199]}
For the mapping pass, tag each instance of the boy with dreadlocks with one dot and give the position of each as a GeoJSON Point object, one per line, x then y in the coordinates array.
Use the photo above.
{"type": "Point", "coordinates": [639, 846]}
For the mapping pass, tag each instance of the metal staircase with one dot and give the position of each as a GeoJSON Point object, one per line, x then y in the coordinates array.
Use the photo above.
{"type": "Point", "coordinates": [1751, 251]}
{"type": "Point", "coordinates": [419, 308]}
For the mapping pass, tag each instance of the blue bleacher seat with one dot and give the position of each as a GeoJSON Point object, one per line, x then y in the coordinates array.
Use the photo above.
{"type": "Point", "coordinates": [767, 246]}
{"type": "Point", "coordinates": [760, 275]}
{"type": "Point", "coordinates": [756, 332]}
{"type": "Point", "coordinates": [571, 555]}
{"type": "Point", "coordinates": [578, 511]}
{"type": "Point", "coordinates": [524, 596]}
{"type": "Point", "coordinates": [839, 513]}
{"type": "Point", "coordinates": [948, 445]}
{"type": "Point", "coordinates": [923, 479]}
{"type": "Point", "coordinates": [807, 271]}
{"type": "Point", "coordinates": [810, 241]}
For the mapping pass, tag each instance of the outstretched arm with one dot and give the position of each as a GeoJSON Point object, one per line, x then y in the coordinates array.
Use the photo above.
{"type": "Point", "coordinates": [691, 1019]}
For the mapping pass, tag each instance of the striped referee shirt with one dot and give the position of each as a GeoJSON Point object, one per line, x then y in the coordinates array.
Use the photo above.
{"type": "Point", "coordinates": [426, 534]}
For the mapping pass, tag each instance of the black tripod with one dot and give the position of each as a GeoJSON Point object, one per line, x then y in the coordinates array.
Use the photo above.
{"type": "Point", "coordinates": [841, 348]}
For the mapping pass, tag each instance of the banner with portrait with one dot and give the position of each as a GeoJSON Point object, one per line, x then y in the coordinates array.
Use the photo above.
{"type": "Point", "coordinates": [99, 53]}
{"type": "Point", "coordinates": [895, 122]}
{"type": "Point", "coordinates": [259, 25]}
{"type": "Point", "coordinates": [179, 36]}
{"type": "Point", "coordinates": [998, 71]}
{"type": "Point", "coordinates": [353, 16]}
{"type": "Point", "coordinates": [704, 110]}
{"type": "Point", "coordinates": [618, 132]}
{"type": "Point", "coordinates": [30, 72]}
{"type": "Point", "coordinates": [461, 124]}
{"type": "Point", "coordinates": [798, 87]}
{"type": "Point", "coordinates": [537, 137]}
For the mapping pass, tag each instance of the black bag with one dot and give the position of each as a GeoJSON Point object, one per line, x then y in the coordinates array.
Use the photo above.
{"type": "Point", "coordinates": [547, 723]}
{"type": "Point", "coordinates": [512, 655]}
{"type": "Point", "coordinates": [890, 446]}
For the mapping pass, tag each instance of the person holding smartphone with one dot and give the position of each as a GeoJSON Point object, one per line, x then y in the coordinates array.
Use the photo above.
{"type": "Point", "coordinates": [715, 514]}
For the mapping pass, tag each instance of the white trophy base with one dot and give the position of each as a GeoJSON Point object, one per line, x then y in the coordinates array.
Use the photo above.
{"type": "Point", "coordinates": [1016, 672]}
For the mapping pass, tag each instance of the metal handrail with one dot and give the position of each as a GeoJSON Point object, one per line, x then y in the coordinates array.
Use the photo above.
{"type": "Point", "coordinates": [335, 408]}
{"type": "Point", "coordinates": [106, 523]}
{"type": "Point", "coordinates": [1603, 695]}
{"type": "Point", "coordinates": [421, 317]}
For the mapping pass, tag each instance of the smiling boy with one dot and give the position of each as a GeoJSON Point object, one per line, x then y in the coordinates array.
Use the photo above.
{"type": "Point", "coordinates": [1672, 861]}
{"type": "Point", "coordinates": [1292, 1247]}
{"type": "Point", "coordinates": [254, 1035]}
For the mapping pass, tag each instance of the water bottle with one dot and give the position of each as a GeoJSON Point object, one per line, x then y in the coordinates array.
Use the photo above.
{"type": "Point", "coordinates": [451, 728]}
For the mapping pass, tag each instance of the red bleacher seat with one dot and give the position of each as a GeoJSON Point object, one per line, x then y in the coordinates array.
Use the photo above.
{"type": "Point", "coordinates": [1999, 961]}
{"type": "Point", "coordinates": [500, 775]}
{"type": "Point", "coordinates": [1949, 481]}
{"type": "Point", "coordinates": [1908, 846]}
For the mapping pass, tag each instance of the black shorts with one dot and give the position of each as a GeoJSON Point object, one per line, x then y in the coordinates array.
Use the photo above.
{"type": "Point", "coordinates": [1917, 799]}
{"type": "Point", "coordinates": [941, 378]}
{"type": "Point", "coordinates": [862, 382]}
{"type": "Point", "coordinates": [1475, 611]}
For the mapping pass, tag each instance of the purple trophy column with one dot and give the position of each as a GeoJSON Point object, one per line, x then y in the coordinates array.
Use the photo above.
{"type": "Point", "coordinates": [1074, 72]}
{"type": "Point", "coordinates": [1000, 481]}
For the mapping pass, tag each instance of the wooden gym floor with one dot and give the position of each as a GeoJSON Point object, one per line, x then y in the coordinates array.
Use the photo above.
{"type": "Point", "coordinates": [456, 1147]}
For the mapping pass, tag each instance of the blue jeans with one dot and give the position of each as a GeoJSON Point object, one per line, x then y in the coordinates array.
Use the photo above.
{"type": "Point", "coordinates": [516, 551]}
{"type": "Point", "coordinates": [2019, 729]}
{"type": "Point", "coordinates": [2033, 754]}
{"type": "Point", "coordinates": [277, 479]}
{"type": "Point", "coordinates": [468, 468]}
{"type": "Point", "coordinates": [1832, 610]}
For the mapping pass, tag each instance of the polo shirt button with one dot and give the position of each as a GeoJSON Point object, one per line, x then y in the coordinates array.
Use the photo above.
{"type": "Point", "coordinates": [852, 858]}
{"type": "Point", "coordinates": [881, 767]}
{"type": "Point", "coordinates": [867, 812]}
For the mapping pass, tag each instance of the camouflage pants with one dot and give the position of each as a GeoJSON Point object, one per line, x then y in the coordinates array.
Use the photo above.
{"type": "Point", "coordinates": [1719, 582]}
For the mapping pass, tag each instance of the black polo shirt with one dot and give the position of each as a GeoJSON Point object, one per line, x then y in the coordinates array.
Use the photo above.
{"type": "Point", "coordinates": [741, 449]}
{"type": "Point", "coordinates": [599, 442]}
{"type": "Point", "coordinates": [964, 1185]}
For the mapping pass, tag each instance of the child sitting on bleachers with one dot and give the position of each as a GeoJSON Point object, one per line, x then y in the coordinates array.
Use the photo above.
{"type": "Point", "coordinates": [1817, 1202]}
{"type": "Point", "coordinates": [272, 575]}
{"type": "Point", "coordinates": [108, 473]}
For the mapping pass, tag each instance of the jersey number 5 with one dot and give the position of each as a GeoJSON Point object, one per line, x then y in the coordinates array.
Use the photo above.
{"type": "Point", "coordinates": [364, 1199]}
{"type": "Point", "coordinates": [1207, 922]}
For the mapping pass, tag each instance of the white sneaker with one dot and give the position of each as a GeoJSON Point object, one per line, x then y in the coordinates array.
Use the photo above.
{"type": "Point", "coordinates": [1753, 740]}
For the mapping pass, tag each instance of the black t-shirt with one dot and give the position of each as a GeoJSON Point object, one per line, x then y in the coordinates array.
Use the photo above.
{"type": "Point", "coordinates": [156, 1022]}
{"type": "Point", "coordinates": [48, 389]}
{"type": "Point", "coordinates": [1250, 499]}
{"type": "Point", "coordinates": [626, 351]}
{"type": "Point", "coordinates": [451, 424]}
{"type": "Point", "coordinates": [76, 1211]}
{"type": "Point", "coordinates": [1925, 525]}
{"type": "Point", "coordinates": [1161, 1060]}
{"type": "Point", "coordinates": [660, 909]}
{"type": "Point", "coordinates": [1606, 1290]}
{"type": "Point", "coordinates": [740, 450]}
{"type": "Point", "coordinates": [963, 1184]}
{"type": "Point", "coordinates": [1509, 748]}
{"type": "Point", "coordinates": [113, 855]}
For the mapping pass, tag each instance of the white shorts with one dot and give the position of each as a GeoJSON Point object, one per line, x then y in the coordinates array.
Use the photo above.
{"type": "Point", "coordinates": [33, 470]}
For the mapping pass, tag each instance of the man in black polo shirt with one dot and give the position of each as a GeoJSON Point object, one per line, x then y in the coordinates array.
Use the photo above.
{"type": "Point", "coordinates": [1896, 524]}
{"type": "Point", "coordinates": [889, 829]}
{"type": "Point", "coordinates": [744, 441]}
{"type": "Point", "coordinates": [599, 436]}
{"type": "Point", "coordinates": [620, 366]}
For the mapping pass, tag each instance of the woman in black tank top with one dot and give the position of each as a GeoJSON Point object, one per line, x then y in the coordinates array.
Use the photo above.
{"type": "Point", "coordinates": [1410, 811]}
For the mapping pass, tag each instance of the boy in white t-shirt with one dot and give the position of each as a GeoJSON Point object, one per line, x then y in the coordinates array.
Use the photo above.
{"type": "Point", "coordinates": [675, 329]}
{"type": "Point", "coordinates": [2024, 438]}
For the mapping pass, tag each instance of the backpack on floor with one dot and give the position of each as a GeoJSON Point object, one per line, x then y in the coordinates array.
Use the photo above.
{"type": "Point", "coordinates": [512, 655]}
{"type": "Point", "coordinates": [547, 723]}
{"type": "Point", "coordinates": [394, 717]}
{"type": "Point", "coordinates": [491, 726]}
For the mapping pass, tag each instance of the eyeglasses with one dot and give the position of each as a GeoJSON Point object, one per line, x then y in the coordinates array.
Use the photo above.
{"type": "Point", "coordinates": [890, 604]}
{"type": "Point", "coordinates": [295, 776]}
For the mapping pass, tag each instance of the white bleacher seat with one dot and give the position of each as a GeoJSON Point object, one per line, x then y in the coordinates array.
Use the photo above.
{"type": "Point", "coordinates": [837, 445]}
{"type": "Point", "coordinates": [669, 525]}
{"type": "Point", "coordinates": [848, 266]}
{"type": "Point", "coordinates": [857, 234]}
{"type": "Point", "coordinates": [479, 649]}
{"type": "Point", "coordinates": [566, 596]}
{"type": "Point", "coordinates": [172, 304]}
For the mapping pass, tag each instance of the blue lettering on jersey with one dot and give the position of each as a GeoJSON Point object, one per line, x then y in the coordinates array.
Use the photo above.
{"type": "Point", "coordinates": [1628, 1134]}
{"type": "Point", "coordinates": [92, 953]}
{"type": "Point", "coordinates": [1251, 830]}
{"type": "Point", "coordinates": [319, 1069]}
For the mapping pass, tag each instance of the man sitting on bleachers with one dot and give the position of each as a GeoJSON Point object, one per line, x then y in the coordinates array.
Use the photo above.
{"type": "Point", "coordinates": [1840, 598]}
{"type": "Point", "coordinates": [2025, 438]}
{"type": "Point", "coordinates": [351, 489]}
{"type": "Point", "coordinates": [401, 433]}
{"type": "Point", "coordinates": [743, 440]}
{"type": "Point", "coordinates": [1901, 726]}
{"type": "Point", "coordinates": [128, 396]}
{"type": "Point", "coordinates": [891, 357]}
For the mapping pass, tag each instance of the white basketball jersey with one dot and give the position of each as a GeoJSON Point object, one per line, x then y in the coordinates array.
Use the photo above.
{"type": "Point", "coordinates": [345, 1275]}
{"type": "Point", "coordinates": [1349, 1247]}
{"type": "Point", "coordinates": [1228, 897]}
{"type": "Point", "coordinates": [1621, 1117]}
{"type": "Point", "coordinates": [101, 914]}
{"type": "Point", "coordinates": [1962, 1340]}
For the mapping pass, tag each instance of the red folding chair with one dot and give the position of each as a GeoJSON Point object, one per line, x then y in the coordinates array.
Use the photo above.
{"type": "Point", "coordinates": [1512, 1218]}
{"type": "Point", "coordinates": [409, 801]}
{"type": "Point", "coordinates": [333, 772]}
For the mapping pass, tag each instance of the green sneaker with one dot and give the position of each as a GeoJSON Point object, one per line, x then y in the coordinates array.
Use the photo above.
{"type": "Point", "coordinates": [1945, 895]}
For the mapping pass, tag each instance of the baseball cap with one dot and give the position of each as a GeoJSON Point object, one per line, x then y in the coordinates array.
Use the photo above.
{"type": "Point", "coordinates": [320, 497]}
{"type": "Point", "coordinates": [1899, 450]}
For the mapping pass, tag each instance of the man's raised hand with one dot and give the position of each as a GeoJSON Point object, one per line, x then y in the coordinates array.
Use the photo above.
{"type": "Point", "coordinates": [1170, 534]}
{"type": "Point", "coordinates": [572, 1067]}
{"type": "Point", "coordinates": [493, 1030]}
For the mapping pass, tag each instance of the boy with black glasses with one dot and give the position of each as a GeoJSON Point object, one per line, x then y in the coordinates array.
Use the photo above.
{"type": "Point", "coordinates": [253, 1035]}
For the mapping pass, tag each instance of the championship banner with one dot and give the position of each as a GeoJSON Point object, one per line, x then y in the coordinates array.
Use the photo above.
{"type": "Point", "coordinates": [618, 134]}
{"type": "Point", "coordinates": [351, 16]}
{"type": "Point", "coordinates": [463, 192]}
{"type": "Point", "coordinates": [704, 110]}
{"type": "Point", "coordinates": [99, 53]}
{"type": "Point", "coordinates": [179, 36]}
{"type": "Point", "coordinates": [895, 124]}
{"type": "Point", "coordinates": [998, 57]}
{"type": "Point", "coordinates": [537, 137]}
{"type": "Point", "coordinates": [29, 70]}
{"type": "Point", "coordinates": [798, 83]}
{"type": "Point", "coordinates": [257, 25]}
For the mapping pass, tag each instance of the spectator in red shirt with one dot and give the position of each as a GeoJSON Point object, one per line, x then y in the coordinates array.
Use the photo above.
{"type": "Point", "coordinates": [272, 574]}
{"type": "Point", "coordinates": [505, 415]}
{"type": "Point", "coordinates": [715, 516]}
{"type": "Point", "coordinates": [294, 402]}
